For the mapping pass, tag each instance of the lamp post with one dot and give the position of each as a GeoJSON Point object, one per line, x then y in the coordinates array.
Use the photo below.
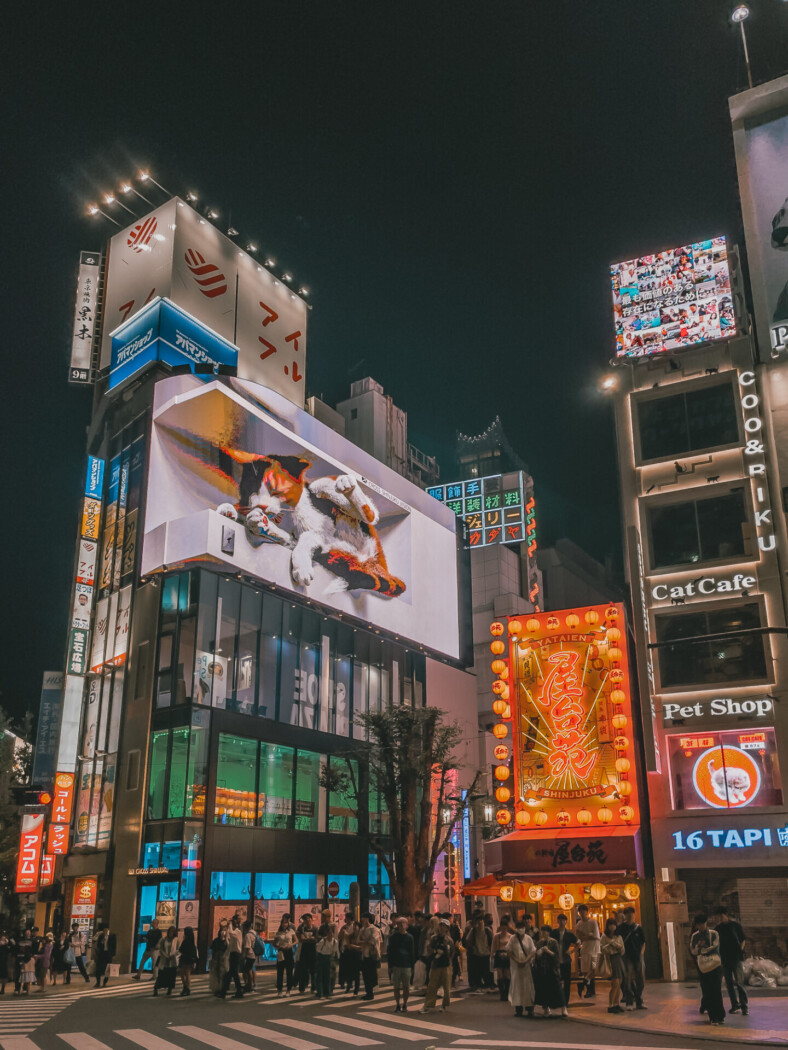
{"type": "Point", "coordinates": [739, 16]}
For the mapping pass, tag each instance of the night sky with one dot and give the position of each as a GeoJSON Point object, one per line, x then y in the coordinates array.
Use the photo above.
{"type": "Point", "coordinates": [451, 181]}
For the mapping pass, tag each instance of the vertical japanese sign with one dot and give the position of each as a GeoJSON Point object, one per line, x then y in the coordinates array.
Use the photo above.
{"type": "Point", "coordinates": [62, 806]}
{"type": "Point", "coordinates": [49, 714]}
{"type": "Point", "coordinates": [83, 332]}
{"type": "Point", "coordinates": [47, 869]}
{"type": "Point", "coordinates": [84, 586]}
{"type": "Point", "coordinates": [494, 508]}
{"type": "Point", "coordinates": [29, 860]}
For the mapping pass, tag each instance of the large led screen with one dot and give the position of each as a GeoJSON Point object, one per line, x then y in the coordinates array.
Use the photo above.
{"type": "Point", "coordinates": [241, 478]}
{"type": "Point", "coordinates": [728, 770]}
{"type": "Point", "coordinates": [673, 299]}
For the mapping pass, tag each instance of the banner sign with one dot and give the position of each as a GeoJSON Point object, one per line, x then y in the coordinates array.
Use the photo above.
{"type": "Point", "coordinates": [83, 332]}
{"type": "Point", "coordinates": [48, 733]}
{"type": "Point", "coordinates": [63, 798]}
{"type": "Point", "coordinates": [29, 860]}
{"type": "Point", "coordinates": [47, 869]}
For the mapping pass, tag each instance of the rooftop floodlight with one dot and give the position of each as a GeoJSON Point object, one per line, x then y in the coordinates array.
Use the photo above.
{"type": "Point", "coordinates": [213, 214]}
{"type": "Point", "coordinates": [95, 210]}
{"type": "Point", "coordinates": [231, 231]}
{"type": "Point", "coordinates": [145, 176]}
{"type": "Point", "coordinates": [251, 247]}
{"type": "Point", "coordinates": [738, 16]}
{"type": "Point", "coordinates": [127, 188]}
{"type": "Point", "coordinates": [287, 277]}
{"type": "Point", "coordinates": [303, 291]}
{"type": "Point", "coordinates": [192, 198]}
{"type": "Point", "coordinates": [110, 198]}
{"type": "Point", "coordinates": [740, 13]}
{"type": "Point", "coordinates": [270, 262]}
{"type": "Point", "coordinates": [608, 384]}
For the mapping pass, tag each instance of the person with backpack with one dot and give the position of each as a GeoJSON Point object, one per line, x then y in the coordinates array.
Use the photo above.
{"type": "Point", "coordinates": [705, 946]}
{"type": "Point", "coordinates": [188, 960]}
{"type": "Point", "coordinates": [370, 941]}
{"type": "Point", "coordinates": [440, 949]}
{"type": "Point", "coordinates": [477, 941]}
{"type": "Point", "coordinates": [500, 958]}
{"type": "Point", "coordinates": [631, 933]}
{"type": "Point", "coordinates": [284, 941]}
{"type": "Point", "coordinates": [521, 951]}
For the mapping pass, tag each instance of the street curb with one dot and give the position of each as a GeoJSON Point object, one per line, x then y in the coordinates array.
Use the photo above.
{"type": "Point", "coordinates": [709, 1036]}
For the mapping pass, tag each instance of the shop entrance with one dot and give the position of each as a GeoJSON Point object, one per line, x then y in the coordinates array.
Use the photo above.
{"type": "Point", "coordinates": [157, 901]}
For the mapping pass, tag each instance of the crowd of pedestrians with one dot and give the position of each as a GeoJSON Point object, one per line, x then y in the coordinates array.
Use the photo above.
{"type": "Point", "coordinates": [29, 959]}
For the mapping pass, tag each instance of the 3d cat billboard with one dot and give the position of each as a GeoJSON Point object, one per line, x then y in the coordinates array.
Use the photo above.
{"type": "Point", "coordinates": [241, 477]}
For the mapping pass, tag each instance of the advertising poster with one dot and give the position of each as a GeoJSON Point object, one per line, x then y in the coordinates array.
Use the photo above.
{"type": "Point", "coordinates": [493, 508]}
{"type": "Point", "coordinates": [276, 909]}
{"type": "Point", "coordinates": [63, 798]}
{"type": "Point", "coordinates": [48, 731]}
{"type": "Point", "coordinates": [83, 603]}
{"type": "Point", "coordinates": [86, 564]}
{"type": "Point", "coordinates": [84, 900]}
{"type": "Point", "coordinates": [239, 477]}
{"type": "Point", "coordinates": [673, 299]}
{"type": "Point", "coordinates": [225, 912]}
{"type": "Point", "coordinates": [83, 330]}
{"type": "Point", "coordinates": [106, 802]}
{"type": "Point", "coordinates": [260, 917]}
{"type": "Point", "coordinates": [31, 840]}
{"type": "Point", "coordinates": [188, 915]}
{"type": "Point", "coordinates": [728, 770]}
{"type": "Point", "coordinates": [166, 913]}
{"type": "Point", "coordinates": [760, 136]}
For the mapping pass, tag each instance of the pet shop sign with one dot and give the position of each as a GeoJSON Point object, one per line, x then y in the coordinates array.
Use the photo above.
{"type": "Point", "coordinates": [703, 587]}
{"type": "Point", "coordinates": [720, 707]}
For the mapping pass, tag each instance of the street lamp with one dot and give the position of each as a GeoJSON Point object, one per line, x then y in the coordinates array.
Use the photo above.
{"type": "Point", "coordinates": [739, 15]}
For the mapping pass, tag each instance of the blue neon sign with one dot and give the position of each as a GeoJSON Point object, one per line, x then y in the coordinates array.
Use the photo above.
{"type": "Point", "coordinates": [728, 838]}
{"type": "Point", "coordinates": [466, 841]}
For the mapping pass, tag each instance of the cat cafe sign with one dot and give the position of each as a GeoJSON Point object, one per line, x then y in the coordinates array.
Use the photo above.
{"type": "Point", "coordinates": [704, 587]}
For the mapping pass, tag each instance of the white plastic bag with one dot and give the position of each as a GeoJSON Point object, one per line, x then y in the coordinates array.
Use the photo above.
{"type": "Point", "coordinates": [419, 975]}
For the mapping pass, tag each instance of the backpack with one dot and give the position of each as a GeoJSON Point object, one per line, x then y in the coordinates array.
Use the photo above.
{"type": "Point", "coordinates": [259, 946]}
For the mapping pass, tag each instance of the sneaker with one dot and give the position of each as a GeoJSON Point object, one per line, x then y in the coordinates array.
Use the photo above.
{"type": "Point", "coordinates": [744, 1011]}
{"type": "Point", "coordinates": [279, 995]}
{"type": "Point", "coordinates": [564, 1011]}
{"type": "Point", "coordinates": [641, 1006]}
{"type": "Point", "coordinates": [629, 1007]}
{"type": "Point", "coordinates": [617, 1010]}
{"type": "Point", "coordinates": [424, 1010]}
{"type": "Point", "coordinates": [611, 1009]}
{"type": "Point", "coordinates": [546, 1011]}
{"type": "Point", "coordinates": [734, 1009]}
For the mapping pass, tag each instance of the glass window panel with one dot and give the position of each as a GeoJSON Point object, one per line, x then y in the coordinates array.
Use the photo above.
{"type": "Point", "coordinates": [171, 855]}
{"type": "Point", "coordinates": [270, 642]}
{"type": "Point", "coordinates": [272, 885]}
{"type": "Point", "coordinates": [344, 882]}
{"type": "Point", "coordinates": [206, 639]}
{"type": "Point", "coordinates": [360, 696]}
{"type": "Point", "coordinates": [711, 413]}
{"type": "Point", "coordinates": [231, 885]}
{"type": "Point", "coordinates": [169, 596]}
{"type": "Point", "coordinates": [720, 522]}
{"type": "Point", "coordinates": [188, 885]}
{"type": "Point", "coordinates": [236, 779]}
{"type": "Point", "coordinates": [197, 774]}
{"type": "Point", "coordinates": [721, 660]}
{"type": "Point", "coordinates": [164, 690]}
{"type": "Point", "coordinates": [276, 785]}
{"type": "Point", "coordinates": [223, 666]}
{"type": "Point", "coordinates": [289, 683]}
{"type": "Point", "coordinates": [310, 796]}
{"type": "Point", "coordinates": [117, 704]}
{"type": "Point", "coordinates": [165, 651]}
{"type": "Point", "coordinates": [151, 854]}
{"type": "Point", "coordinates": [342, 808]}
{"type": "Point", "coordinates": [687, 422]}
{"type": "Point", "coordinates": [157, 783]}
{"type": "Point", "coordinates": [248, 643]}
{"type": "Point", "coordinates": [674, 535]}
{"type": "Point", "coordinates": [178, 763]}
{"type": "Point", "coordinates": [304, 887]}
{"type": "Point", "coordinates": [306, 689]}
{"type": "Point", "coordinates": [184, 679]}
{"type": "Point", "coordinates": [341, 694]}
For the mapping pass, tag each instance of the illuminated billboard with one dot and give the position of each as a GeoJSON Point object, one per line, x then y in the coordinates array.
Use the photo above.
{"type": "Point", "coordinates": [174, 253]}
{"type": "Point", "coordinates": [672, 300]}
{"type": "Point", "coordinates": [242, 479]}
{"type": "Point", "coordinates": [563, 696]}
{"type": "Point", "coordinates": [493, 507]}
{"type": "Point", "coordinates": [83, 330]}
{"type": "Point", "coordinates": [31, 839]}
{"type": "Point", "coordinates": [727, 770]}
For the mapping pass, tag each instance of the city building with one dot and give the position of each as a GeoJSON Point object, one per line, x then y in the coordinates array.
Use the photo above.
{"type": "Point", "coordinates": [247, 582]}
{"type": "Point", "coordinates": [701, 407]}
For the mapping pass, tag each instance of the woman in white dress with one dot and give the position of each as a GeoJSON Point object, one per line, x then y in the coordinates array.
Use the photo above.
{"type": "Point", "coordinates": [521, 951]}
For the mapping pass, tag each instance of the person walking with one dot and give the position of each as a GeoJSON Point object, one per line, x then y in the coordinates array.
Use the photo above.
{"type": "Point", "coordinates": [249, 938]}
{"type": "Point", "coordinates": [567, 942]}
{"type": "Point", "coordinates": [477, 941]}
{"type": "Point", "coordinates": [611, 949]}
{"type": "Point", "coordinates": [548, 990]}
{"type": "Point", "coordinates": [284, 941]}
{"type": "Point", "coordinates": [187, 962]}
{"type": "Point", "coordinates": [500, 958]}
{"type": "Point", "coordinates": [705, 946]}
{"type": "Point", "coordinates": [152, 940]}
{"type": "Point", "coordinates": [78, 945]}
{"type": "Point", "coordinates": [58, 965]}
{"type": "Point", "coordinates": [43, 961]}
{"type": "Point", "coordinates": [631, 933]}
{"type": "Point", "coordinates": [326, 961]}
{"type": "Point", "coordinates": [25, 969]}
{"type": "Point", "coordinates": [306, 955]}
{"type": "Point", "coordinates": [440, 969]}
{"type": "Point", "coordinates": [106, 946]}
{"type": "Point", "coordinates": [731, 937]}
{"type": "Point", "coordinates": [456, 955]}
{"type": "Point", "coordinates": [587, 930]}
{"type": "Point", "coordinates": [401, 960]}
{"type": "Point", "coordinates": [369, 940]}
{"type": "Point", "coordinates": [522, 952]}
{"type": "Point", "coordinates": [234, 950]}
{"type": "Point", "coordinates": [168, 962]}
{"type": "Point", "coordinates": [344, 936]}
{"type": "Point", "coordinates": [219, 959]}
{"type": "Point", "coordinates": [6, 960]}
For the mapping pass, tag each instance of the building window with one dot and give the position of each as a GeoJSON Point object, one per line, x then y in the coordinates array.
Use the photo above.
{"type": "Point", "coordinates": [231, 885]}
{"type": "Point", "coordinates": [236, 780]}
{"type": "Point", "coordinates": [729, 770]}
{"type": "Point", "coordinates": [276, 785]}
{"type": "Point", "coordinates": [272, 885]}
{"type": "Point", "coordinates": [343, 782]}
{"type": "Point", "coordinates": [310, 796]}
{"type": "Point", "coordinates": [698, 530]}
{"type": "Point", "coordinates": [691, 659]}
{"type": "Point", "coordinates": [688, 422]}
{"type": "Point", "coordinates": [157, 782]}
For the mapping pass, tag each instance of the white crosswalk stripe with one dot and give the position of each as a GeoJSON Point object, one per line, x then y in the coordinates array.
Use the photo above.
{"type": "Point", "coordinates": [147, 1039]}
{"type": "Point", "coordinates": [17, 1042]}
{"type": "Point", "coordinates": [327, 1033]}
{"type": "Point", "coordinates": [261, 1032]}
{"type": "Point", "coordinates": [427, 1026]}
{"type": "Point", "coordinates": [82, 1041]}
{"type": "Point", "coordinates": [378, 1029]}
{"type": "Point", "coordinates": [221, 1042]}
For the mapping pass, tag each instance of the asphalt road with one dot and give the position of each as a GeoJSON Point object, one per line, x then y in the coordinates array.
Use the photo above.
{"type": "Point", "coordinates": [128, 1017]}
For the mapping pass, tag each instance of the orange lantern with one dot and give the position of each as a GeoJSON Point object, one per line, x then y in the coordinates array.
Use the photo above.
{"type": "Point", "coordinates": [616, 675]}
{"type": "Point", "coordinates": [532, 624]}
{"type": "Point", "coordinates": [515, 628]}
{"type": "Point", "coordinates": [572, 621]}
{"type": "Point", "coordinates": [504, 673]}
{"type": "Point", "coordinates": [584, 817]}
{"type": "Point", "coordinates": [614, 653]}
{"type": "Point", "coordinates": [501, 752]}
{"type": "Point", "coordinates": [553, 623]}
{"type": "Point", "coordinates": [500, 730]}
{"type": "Point", "coordinates": [497, 648]}
{"type": "Point", "coordinates": [497, 666]}
{"type": "Point", "coordinates": [613, 634]}
{"type": "Point", "coordinates": [611, 613]}
{"type": "Point", "coordinates": [593, 652]}
{"type": "Point", "coordinates": [507, 713]}
{"type": "Point", "coordinates": [499, 706]}
{"type": "Point", "coordinates": [591, 617]}
{"type": "Point", "coordinates": [496, 628]}
{"type": "Point", "coordinates": [618, 696]}
{"type": "Point", "coordinates": [619, 721]}
{"type": "Point", "coordinates": [626, 813]}
{"type": "Point", "coordinates": [522, 818]}
{"type": "Point", "coordinates": [625, 788]}
{"type": "Point", "coordinates": [563, 818]}
{"type": "Point", "coordinates": [503, 816]}
{"type": "Point", "coordinates": [506, 893]}
{"type": "Point", "coordinates": [502, 795]}
{"type": "Point", "coordinates": [501, 772]}
{"type": "Point", "coordinates": [621, 743]}
{"type": "Point", "coordinates": [605, 815]}
{"type": "Point", "coordinates": [540, 817]}
{"type": "Point", "coordinates": [598, 891]}
{"type": "Point", "coordinates": [501, 688]}
{"type": "Point", "coordinates": [622, 765]}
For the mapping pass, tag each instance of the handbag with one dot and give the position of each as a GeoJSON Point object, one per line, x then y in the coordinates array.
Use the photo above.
{"type": "Point", "coordinates": [69, 957]}
{"type": "Point", "coordinates": [501, 960]}
{"type": "Point", "coordinates": [707, 963]}
{"type": "Point", "coordinates": [603, 968]}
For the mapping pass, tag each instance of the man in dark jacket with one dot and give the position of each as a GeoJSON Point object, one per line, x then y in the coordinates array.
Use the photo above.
{"type": "Point", "coordinates": [106, 946]}
{"type": "Point", "coordinates": [152, 939]}
{"type": "Point", "coordinates": [731, 937]}
{"type": "Point", "coordinates": [477, 941]}
{"type": "Point", "coordinates": [401, 960]}
{"type": "Point", "coordinates": [567, 942]}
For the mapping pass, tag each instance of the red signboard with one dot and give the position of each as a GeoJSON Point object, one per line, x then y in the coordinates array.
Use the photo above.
{"type": "Point", "coordinates": [85, 893]}
{"type": "Point", "coordinates": [63, 798]}
{"type": "Point", "coordinates": [29, 862]}
{"type": "Point", "coordinates": [57, 840]}
{"type": "Point", "coordinates": [47, 869]}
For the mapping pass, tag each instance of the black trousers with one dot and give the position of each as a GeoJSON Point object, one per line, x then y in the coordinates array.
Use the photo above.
{"type": "Point", "coordinates": [232, 974]}
{"type": "Point", "coordinates": [352, 971]}
{"type": "Point", "coordinates": [735, 983]}
{"type": "Point", "coordinates": [711, 994]}
{"type": "Point", "coordinates": [478, 966]}
{"type": "Point", "coordinates": [369, 971]}
{"type": "Point", "coordinates": [566, 978]}
{"type": "Point", "coordinates": [80, 966]}
{"type": "Point", "coordinates": [285, 966]}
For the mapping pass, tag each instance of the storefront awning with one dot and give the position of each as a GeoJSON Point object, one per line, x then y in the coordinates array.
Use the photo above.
{"type": "Point", "coordinates": [545, 854]}
{"type": "Point", "coordinates": [486, 886]}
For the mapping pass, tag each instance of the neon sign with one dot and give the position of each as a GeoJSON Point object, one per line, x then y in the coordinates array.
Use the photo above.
{"type": "Point", "coordinates": [721, 838]}
{"type": "Point", "coordinates": [678, 593]}
{"type": "Point", "coordinates": [756, 467]}
{"type": "Point", "coordinates": [720, 706]}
